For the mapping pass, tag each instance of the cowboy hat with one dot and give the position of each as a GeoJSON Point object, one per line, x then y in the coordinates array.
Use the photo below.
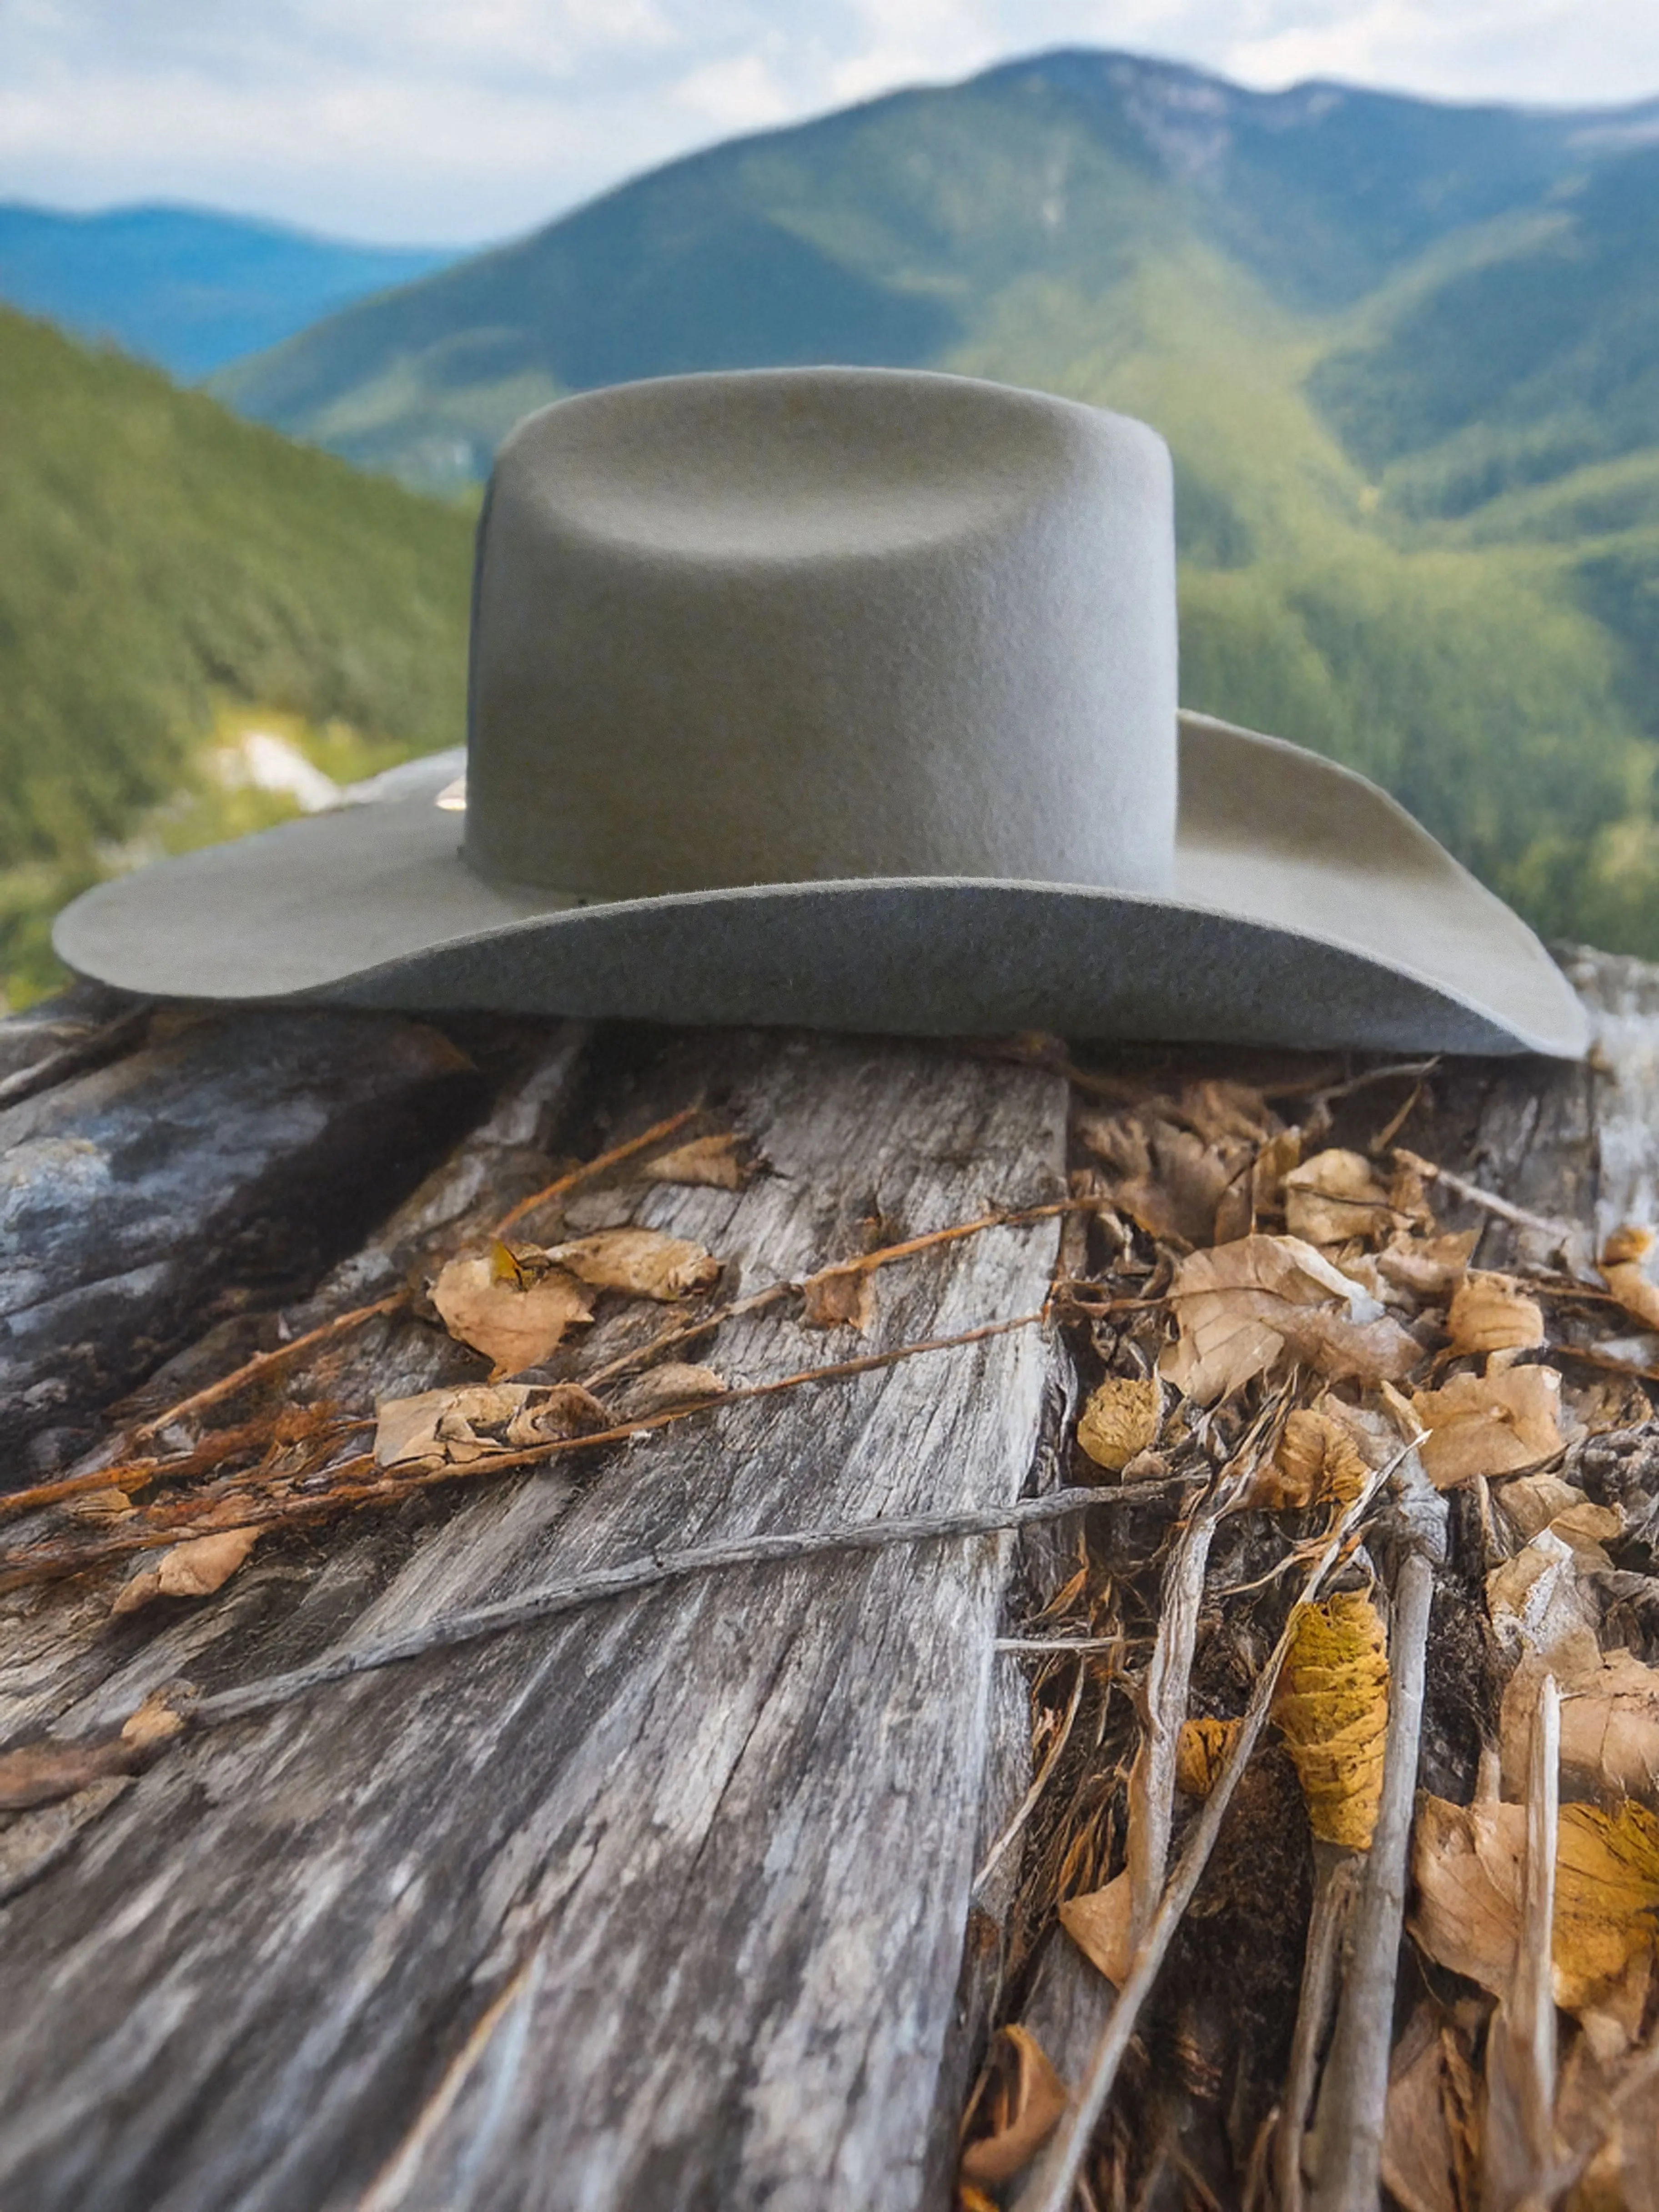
{"type": "Point", "coordinates": [846, 698]}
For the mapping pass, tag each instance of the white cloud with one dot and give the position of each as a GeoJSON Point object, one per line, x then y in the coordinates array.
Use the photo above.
{"type": "Point", "coordinates": [463, 119]}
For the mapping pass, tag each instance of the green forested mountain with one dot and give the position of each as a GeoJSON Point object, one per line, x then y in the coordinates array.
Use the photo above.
{"type": "Point", "coordinates": [165, 567]}
{"type": "Point", "coordinates": [1407, 356]}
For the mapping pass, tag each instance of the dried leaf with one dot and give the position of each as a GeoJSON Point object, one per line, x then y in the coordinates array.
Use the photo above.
{"type": "Point", "coordinates": [440, 1427]}
{"type": "Point", "coordinates": [1025, 2108]}
{"type": "Point", "coordinates": [1317, 1460]}
{"type": "Point", "coordinates": [1272, 1163]}
{"type": "Point", "coordinates": [1489, 1425]}
{"type": "Point", "coordinates": [671, 1384]}
{"type": "Point", "coordinates": [1332, 1707]}
{"type": "Point", "coordinates": [44, 1773]}
{"type": "Point", "coordinates": [845, 1298]}
{"type": "Point", "coordinates": [1098, 1924]}
{"type": "Point", "coordinates": [1428, 1267]}
{"type": "Point", "coordinates": [159, 1719]}
{"type": "Point", "coordinates": [1430, 2132]}
{"type": "Point", "coordinates": [513, 1327]}
{"type": "Point", "coordinates": [1610, 1728]}
{"type": "Point", "coordinates": [1468, 1866]}
{"type": "Point", "coordinates": [1533, 1501]}
{"type": "Point", "coordinates": [1333, 1197]}
{"type": "Point", "coordinates": [1494, 1313]}
{"type": "Point", "coordinates": [98, 1509]}
{"type": "Point", "coordinates": [566, 1410]}
{"type": "Point", "coordinates": [1169, 1180]}
{"type": "Point", "coordinates": [1245, 1306]}
{"type": "Point", "coordinates": [642, 1263]}
{"type": "Point", "coordinates": [1202, 1749]}
{"type": "Point", "coordinates": [1121, 1420]}
{"type": "Point", "coordinates": [195, 1569]}
{"type": "Point", "coordinates": [707, 1160]}
{"type": "Point", "coordinates": [1624, 1268]}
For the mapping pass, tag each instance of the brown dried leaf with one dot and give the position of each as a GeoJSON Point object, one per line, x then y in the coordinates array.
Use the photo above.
{"type": "Point", "coordinates": [1121, 1420]}
{"type": "Point", "coordinates": [1336, 1196]}
{"type": "Point", "coordinates": [1272, 1163]}
{"type": "Point", "coordinates": [1468, 1864]}
{"type": "Point", "coordinates": [1494, 1313]}
{"type": "Point", "coordinates": [195, 1569]}
{"type": "Point", "coordinates": [1610, 1728]}
{"type": "Point", "coordinates": [707, 1160]}
{"type": "Point", "coordinates": [1202, 1749]}
{"type": "Point", "coordinates": [1245, 1306]}
{"type": "Point", "coordinates": [159, 1719]}
{"type": "Point", "coordinates": [1332, 1707]}
{"type": "Point", "coordinates": [671, 1384]}
{"type": "Point", "coordinates": [1098, 1924]}
{"type": "Point", "coordinates": [97, 1509]}
{"type": "Point", "coordinates": [1430, 2129]}
{"type": "Point", "coordinates": [641, 1263]}
{"type": "Point", "coordinates": [1428, 1267]}
{"type": "Point", "coordinates": [1533, 1501]}
{"type": "Point", "coordinates": [1317, 1460]}
{"type": "Point", "coordinates": [440, 1427]}
{"type": "Point", "coordinates": [1023, 2109]}
{"type": "Point", "coordinates": [44, 1773]}
{"type": "Point", "coordinates": [513, 1327]}
{"type": "Point", "coordinates": [1168, 1179]}
{"type": "Point", "coordinates": [1489, 1425]}
{"type": "Point", "coordinates": [566, 1410]}
{"type": "Point", "coordinates": [845, 1298]}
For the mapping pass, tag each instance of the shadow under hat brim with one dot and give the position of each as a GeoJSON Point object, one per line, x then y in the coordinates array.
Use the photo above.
{"type": "Point", "coordinates": [1308, 909]}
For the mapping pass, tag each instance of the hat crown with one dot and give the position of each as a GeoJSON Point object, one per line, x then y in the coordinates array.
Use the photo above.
{"type": "Point", "coordinates": [780, 626]}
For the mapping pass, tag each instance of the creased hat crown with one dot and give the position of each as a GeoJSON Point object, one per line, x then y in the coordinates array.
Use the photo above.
{"type": "Point", "coordinates": [823, 623]}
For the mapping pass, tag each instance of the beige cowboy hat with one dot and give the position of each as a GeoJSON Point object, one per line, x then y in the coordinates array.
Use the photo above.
{"type": "Point", "coordinates": [846, 697]}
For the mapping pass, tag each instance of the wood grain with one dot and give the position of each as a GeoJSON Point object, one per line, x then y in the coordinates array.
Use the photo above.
{"type": "Point", "coordinates": [662, 1906]}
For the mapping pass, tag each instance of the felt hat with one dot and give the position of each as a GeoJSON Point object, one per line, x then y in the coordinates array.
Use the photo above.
{"type": "Point", "coordinates": [846, 698]}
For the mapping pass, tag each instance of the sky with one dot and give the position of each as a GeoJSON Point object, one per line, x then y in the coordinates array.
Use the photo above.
{"type": "Point", "coordinates": [455, 122]}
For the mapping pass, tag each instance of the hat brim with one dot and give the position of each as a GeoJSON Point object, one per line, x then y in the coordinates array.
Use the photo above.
{"type": "Point", "coordinates": [1308, 909]}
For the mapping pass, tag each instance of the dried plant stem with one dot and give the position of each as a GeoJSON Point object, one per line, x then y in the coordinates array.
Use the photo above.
{"type": "Point", "coordinates": [1348, 2132]}
{"type": "Point", "coordinates": [547, 1601]}
{"type": "Point", "coordinates": [226, 1505]}
{"type": "Point", "coordinates": [995, 1856]}
{"type": "Point", "coordinates": [263, 1362]}
{"type": "Point", "coordinates": [1488, 1200]}
{"type": "Point", "coordinates": [1049, 2185]}
{"type": "Point", "coordinates": [1336, 1875]}
{"type": "Point", "coordinates": [576, 1176]}
{"type": "Point", "coordinates": [1518, 2140]}
{"type": "Point", "coordinates": [1169, 1679]}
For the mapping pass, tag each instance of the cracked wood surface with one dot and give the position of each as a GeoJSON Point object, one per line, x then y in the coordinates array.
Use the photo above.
{"type": "Point", "coordinates": [664, 1906]}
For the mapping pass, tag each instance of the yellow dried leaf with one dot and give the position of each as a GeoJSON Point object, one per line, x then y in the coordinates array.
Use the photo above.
{"type": "Point", "coordinates": [710, 1161]}
{"type": "Point", "coordinates": [1332, 1708]}
{"type": "Point", "coordinates": [1468, 1864]}
{"type": "Point", "coordinates": [671, 1384]}
{"type": "Point", "coordinates": [1489, 1425]}
{"type": "Point", "coordinates": [1202, 1749]}
{"type": "Point", "coordinates": [1494, 1313]}
{"type": "Point", "coordinates": [195, 1569]}
{"type": "Point", "coordinates": [1334, 1196]}
{"type": "Point", "coordinates": [642, 1263]}
{"type": "Point", "coordinates": [513, 1327]}
{"type": "Point", "coordinates": [1246, 1306]}
{"type": "Point", "coordinates": [1024, 2107]}
{"type": "Point", "coordinates": [1121, 1420]}
{"type": "Point", "coordinates": [1098, 1924]}
{"type": "Point", "coordinates": [1317, 1459]}
{"type": "Point", "coordinates": [845, 1298]}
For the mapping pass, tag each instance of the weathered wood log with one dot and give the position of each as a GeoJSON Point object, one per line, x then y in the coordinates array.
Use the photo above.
{"type": "Point", "coordinates": [714, 1848]}
{"type": "Point", "coordinates": [668, 1903]}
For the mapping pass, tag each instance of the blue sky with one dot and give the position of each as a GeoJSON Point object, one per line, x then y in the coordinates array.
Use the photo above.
{"type": "Point", "coordinates": [456, 121]}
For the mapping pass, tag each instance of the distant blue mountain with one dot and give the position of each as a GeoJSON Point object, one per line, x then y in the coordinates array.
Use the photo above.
{"type": "Point", "coordinates": [189, 290]}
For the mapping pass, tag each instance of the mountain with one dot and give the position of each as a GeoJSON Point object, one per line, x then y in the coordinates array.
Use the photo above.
{"type": "Point", "coordinates": [184, 287]}
{"type": "Point", "coordinates": [1407, 356]}
{"type": "Point", "coordinates": [169, 576]}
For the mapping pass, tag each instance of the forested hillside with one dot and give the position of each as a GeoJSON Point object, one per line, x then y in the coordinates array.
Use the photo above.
{"type": "Point", "coordinates": [1406, 355]}
{"type": "Point", "coordinates": [164, 566]}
